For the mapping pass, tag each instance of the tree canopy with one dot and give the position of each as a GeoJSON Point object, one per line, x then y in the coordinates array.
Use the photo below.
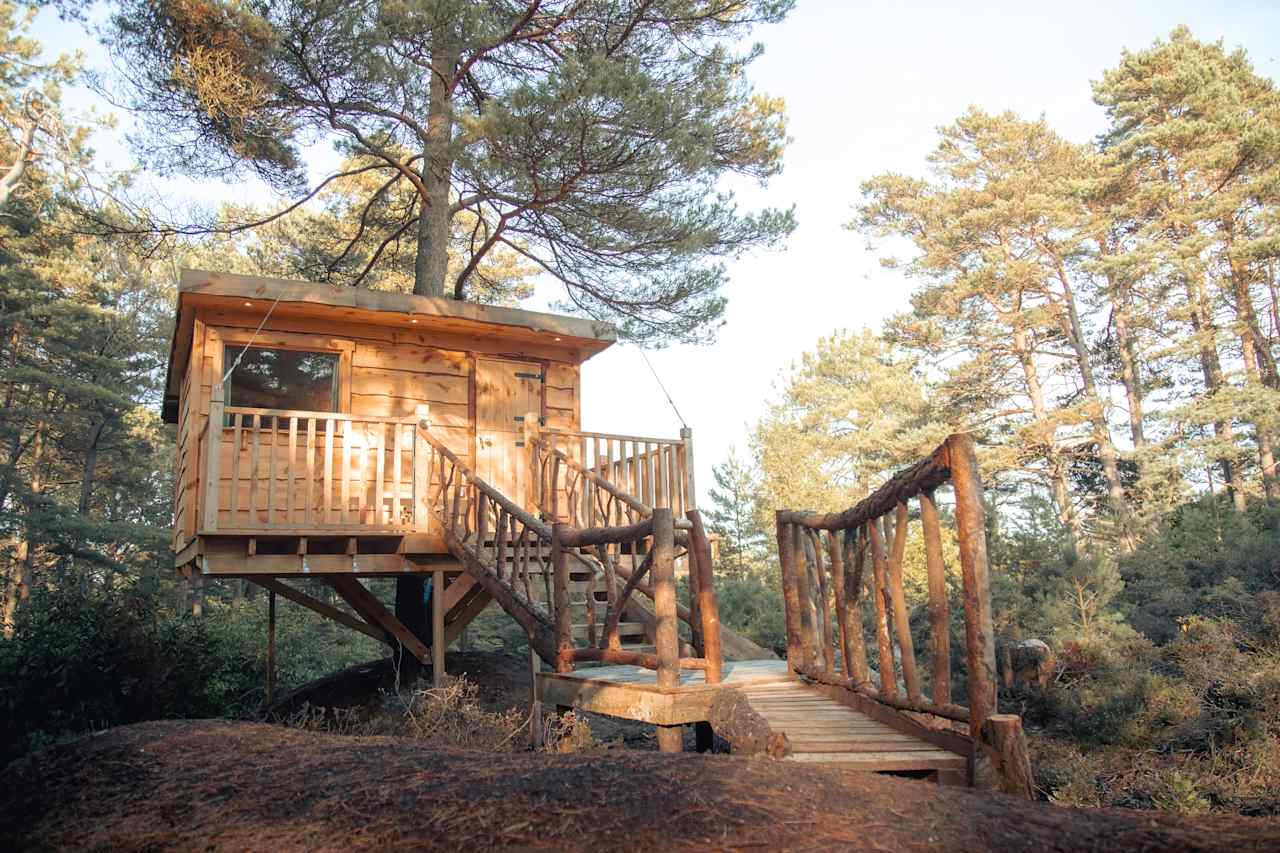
{"type": "Point", "coordinates": [589, 138]}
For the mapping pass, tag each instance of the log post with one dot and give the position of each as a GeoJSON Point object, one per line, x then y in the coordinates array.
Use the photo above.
{"type": "Point", "coordinates": [529, 438]}
{"type": "Point", "coordinates": [422, 470]}
{"type": "Point", "coordinates": [901, 619]}
{"type": "Point", "coordinates": [691, 500]}
{"type": "Point", "coordinates": [790, 593]}
{"type": "Point", "coordinates": [213, 459]}
{"type": "Point", "coordinates": [980, 651]}
{"type": "Point", "coordinates": [854, 583]}
{"type": "Point", "coordinates": [884, 643]}
{"type": "Point", "coordinates": [437, 629]}
{"type": "Point", "coordinates": [823, 609]}
{"type": "Point", "coordinates": [708, 609]}
{"type": "Point", "coordinates": [1005, 738]}
{"type": "Point", "coordinates": [666, 636]}
{"type": "Point", "coordinates": [939, 606]}
{"type": "Point", "coordinates": [842, 610]}
{"type": "Point", "coordinates": [560, 592]}
{"type": "Point", "coordinates": [271, 646]}
{"type": "Point", "coordinates": [535, 704]}
{"type": "Point", "coordinates": [807, 623]}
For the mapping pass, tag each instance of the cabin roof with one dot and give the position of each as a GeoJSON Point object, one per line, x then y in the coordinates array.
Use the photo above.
{"type": "Point", "coordinates": [575, 338]}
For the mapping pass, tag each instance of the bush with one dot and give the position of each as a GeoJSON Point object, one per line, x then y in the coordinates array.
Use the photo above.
{"type": "Point", "coordinates": [82, 662]}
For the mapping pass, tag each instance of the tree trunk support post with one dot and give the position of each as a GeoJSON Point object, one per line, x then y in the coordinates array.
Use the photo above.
{"type": "Point", "coordinates": [560, 594]}
{"type": "Point", "coordinates": [708, 609]}
{"type": "Point", "coordinates": [980, 650]}
{"type": "Point", "coordinates": [790, 594]}
{"type": "Point", "coordinates": [535, 704]}
{"type": "Point", "coordinates": [690, 497]}
{"type": "Point", "coordinates": [271, 646]}
{"type": "Point", "coordinates": [666, 636]}
{"type": "Point", "coordinates": [437, 628]}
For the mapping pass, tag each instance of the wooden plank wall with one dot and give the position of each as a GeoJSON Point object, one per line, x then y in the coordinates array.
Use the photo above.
{"type": "Point", "coordinates": [391, 373]}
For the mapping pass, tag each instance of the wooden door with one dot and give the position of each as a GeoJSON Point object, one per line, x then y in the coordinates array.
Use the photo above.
{"type": "Point", "coordinates": [506, 392]}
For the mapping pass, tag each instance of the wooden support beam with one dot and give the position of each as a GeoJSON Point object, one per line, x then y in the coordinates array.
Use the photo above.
{"type": "Point", "coordinates": [273, 586]}
{"type": "Point", "coordinates": [271, 645]}
{"type": "Point", "coordinates": [666, 636]}
{"type": "Point", "coordinates": [438, 640]}
{"type": "Point", "coordinates": [901, 619]}
{"type": "Point", "coordinates": [939, 607]}
{"type": "Point", "coordinates": [365, 602]}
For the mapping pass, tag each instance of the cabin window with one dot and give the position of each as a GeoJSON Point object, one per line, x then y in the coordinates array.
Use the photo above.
{"type": "Point", "coordinates": [268, 378]}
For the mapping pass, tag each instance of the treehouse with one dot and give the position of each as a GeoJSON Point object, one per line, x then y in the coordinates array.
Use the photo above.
{"type": "Point", "coordinates": [318, 428]}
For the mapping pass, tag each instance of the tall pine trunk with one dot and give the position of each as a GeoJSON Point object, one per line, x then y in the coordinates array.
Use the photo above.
{"type": "Point", "coordinates": [1067, 514]}
{"type": "Point", "coordinates": [1097, 411]}
{"type": "Point", "coordinates": [1259, 365]}
{"type": "Point", "coordinates": [431, 262]}
{"type": "Point", "coordinates": [1206, 336]}
{"type": "Point", "coordinates": [19, 589]}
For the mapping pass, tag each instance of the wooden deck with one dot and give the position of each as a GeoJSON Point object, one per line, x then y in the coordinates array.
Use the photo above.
{"type": "Point", "coordinates": [821, 728]}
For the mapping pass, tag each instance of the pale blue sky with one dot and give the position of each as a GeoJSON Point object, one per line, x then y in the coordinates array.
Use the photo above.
{"type": "Point", "coordinates": [866, 85]}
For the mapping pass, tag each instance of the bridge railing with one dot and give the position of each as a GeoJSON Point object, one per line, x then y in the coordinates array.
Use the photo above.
{"type": "Point", "coordinates": [826, 560]}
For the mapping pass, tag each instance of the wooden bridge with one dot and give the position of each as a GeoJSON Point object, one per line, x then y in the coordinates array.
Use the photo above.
{"type": "Point", "coordinates": [823, 704]}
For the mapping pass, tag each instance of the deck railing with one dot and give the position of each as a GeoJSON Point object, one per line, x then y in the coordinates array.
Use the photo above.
{"type": "Point", "coordinates": [656, 471]}
{"type": "Point", "coordinates": [292, 471]}
{"type": "Point", "coordinates": [824, 571]}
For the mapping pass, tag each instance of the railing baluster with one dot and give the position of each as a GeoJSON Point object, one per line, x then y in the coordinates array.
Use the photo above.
{"type": "Point", "coordinates": [271, 473]}
{"type": "Point", "coordinates": [327, 494]}
{"type": "Point", "coordinates": [379, 485]}
{"type": "Point", "coordinates": [888, 674]}
{"type": "Point", "coordinates": [901, 619]}
{"type": "Point", "coordinates": [234, 513]}
{"type": "Point", "coordinates": [256, 432]}
{"type": "Point", "coordinates": [939, 606]}
{"type": "Point", "coordinates": [307, 510]}
{"type": "Point", "coordinates": [824, 608]}
{"type": "Point", "coordinates": [291, 491]}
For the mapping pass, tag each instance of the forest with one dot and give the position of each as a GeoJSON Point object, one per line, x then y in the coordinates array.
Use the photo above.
{"type": "Point", "coordinates": [1102, 316]}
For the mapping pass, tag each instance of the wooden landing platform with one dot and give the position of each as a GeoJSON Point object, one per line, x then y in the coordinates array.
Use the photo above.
{"type": "Point", "coordinates": [821, 728]}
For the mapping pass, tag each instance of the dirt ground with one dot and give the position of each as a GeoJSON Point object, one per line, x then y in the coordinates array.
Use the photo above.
{"type": "Point", "coordinates": [216, 785]}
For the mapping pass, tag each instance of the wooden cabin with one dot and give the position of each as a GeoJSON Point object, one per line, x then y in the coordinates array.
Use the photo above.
{"type": "Point", "coordinates": [308, 418]}
{"type": "Point", "coordinates": [319, 392]}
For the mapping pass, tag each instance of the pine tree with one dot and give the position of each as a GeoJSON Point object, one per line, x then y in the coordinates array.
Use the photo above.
{"type": "Point", "coordinates": [587, 137]}
{"type": "Point", "coordinates": [733, 517]}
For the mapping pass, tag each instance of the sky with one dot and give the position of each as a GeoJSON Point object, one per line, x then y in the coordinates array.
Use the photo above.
{"type": "Point", "coordinates": [866, 87]}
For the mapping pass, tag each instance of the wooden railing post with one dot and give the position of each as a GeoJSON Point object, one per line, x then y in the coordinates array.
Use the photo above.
{"type": "Point", "coordinates": [690, 492]}
{"type": "Point", "coordinates": [666, 636]}
{"type": "Point", "coordinates": [980, 650]}
{"type": "Point", "coordinates": [560, 591]}
{"type": "Point", "coordinates": [421, 469]}
{"type": "Point", "coordinates": [790, 593]}
{"type": "Point", "coordinates": [213, 459]}
{"type": "Point", "coordinates": [708, 609]}
{"type": "Point", "coordinates": [530, 438]}
{"type": "Point", "coordinates": [939, 606]}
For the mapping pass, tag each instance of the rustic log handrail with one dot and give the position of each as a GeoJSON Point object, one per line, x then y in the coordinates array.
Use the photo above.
{"type": "Point", "coordinates": [492, 529]}
{"type": "Point", "coordinates": [823, 583]}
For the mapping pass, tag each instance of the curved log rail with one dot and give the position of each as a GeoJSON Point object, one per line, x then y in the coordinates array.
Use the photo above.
{"type": "Point", "coordinates": [518, 556]}
{"type": "Point", "coordinates": [824, 559]}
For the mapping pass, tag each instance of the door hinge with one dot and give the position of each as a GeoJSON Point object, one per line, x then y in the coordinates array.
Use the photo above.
{"type": "Point", "coordinates": [542, 421]}
{"type": "Point", "coordinates": [518, 418]}
{"type": "Point", "coordinates": [541, 377]}
{"type": "Point", "coordinates": [519, 444]}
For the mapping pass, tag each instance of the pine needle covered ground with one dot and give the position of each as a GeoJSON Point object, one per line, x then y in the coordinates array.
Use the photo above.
{"type": "Point", "coordinates": [220, 785]}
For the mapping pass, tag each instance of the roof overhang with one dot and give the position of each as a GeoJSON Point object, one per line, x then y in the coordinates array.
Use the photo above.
{"type": "Point", "coordinates": [573, 339]}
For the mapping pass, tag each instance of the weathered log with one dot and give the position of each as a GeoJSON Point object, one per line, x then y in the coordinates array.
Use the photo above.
{"type": "Point", "coordinates": [939, 606]}
{"type": "Point", "coordinates": [800, 559]}
{"type": "Point", "coordinates": [1003, 735]}
{"type": "Point", "coordinates": [888, 677]}
{"type": "Point", "coordinates": [980, 649]}
{"type": "Point", "coordinates": [708, 608]}
{"type": "Point", "coordinates": [574, 537]}
{"type": "Point", "coordinates": [563, 618]}
{"type": "Point", "coordinates": [901, 620]}
{"type": "Point", "coordinates": [666, 638]}
{"type": "Point", "coordinates": [910, 481]}
{"type": "Point", "coordinates": [732, 718]}
{"type": "Point", "coordinates": [959, 713]}
{"type": "Point", "coordinates": [790, 593]}
{"type": "Point", "coordinates": [823, 609]}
